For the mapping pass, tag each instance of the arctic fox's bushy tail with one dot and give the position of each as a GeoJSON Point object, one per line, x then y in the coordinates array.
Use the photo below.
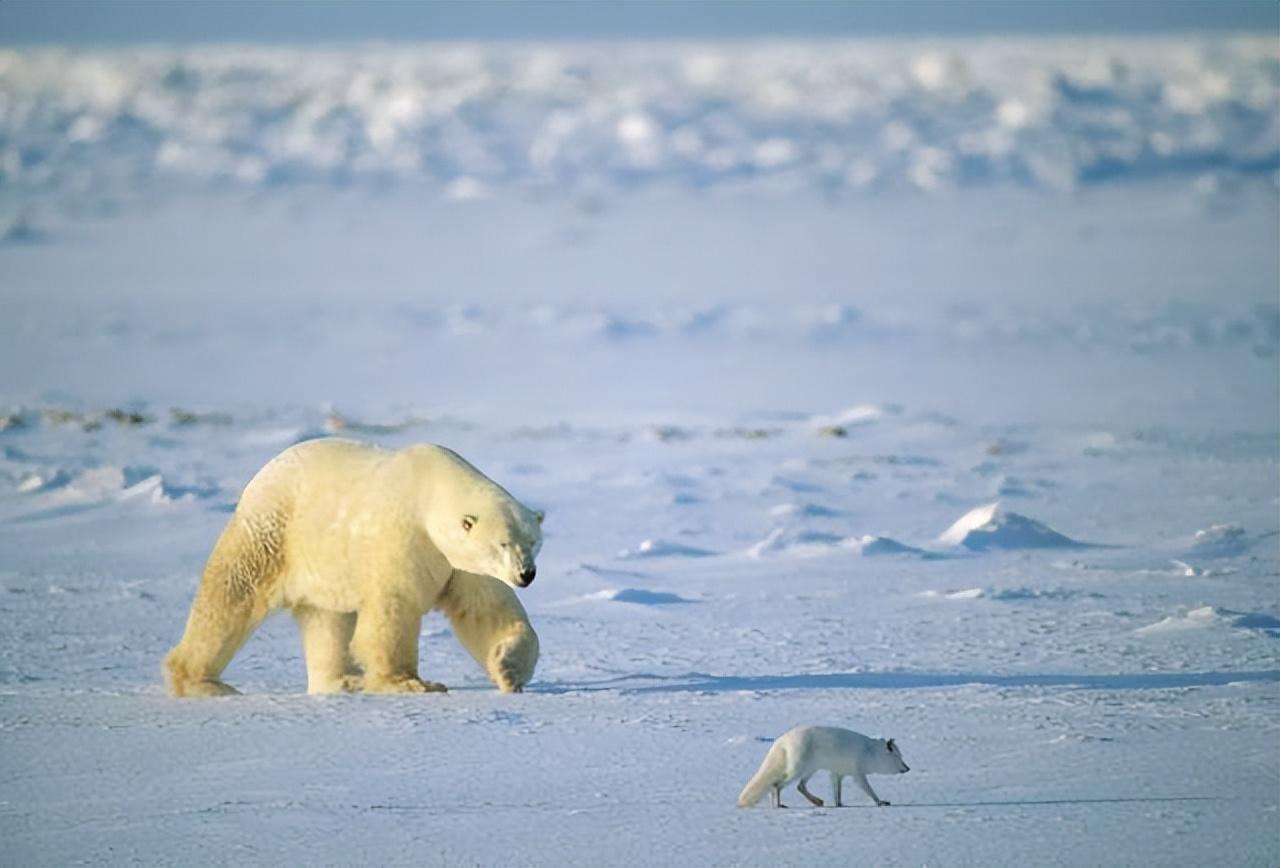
{"type": "Point", "coordinates": [772, 771]}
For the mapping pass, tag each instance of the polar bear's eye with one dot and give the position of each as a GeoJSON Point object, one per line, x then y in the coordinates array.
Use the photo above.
{"type": "Point", "coordinates": [468, 522]}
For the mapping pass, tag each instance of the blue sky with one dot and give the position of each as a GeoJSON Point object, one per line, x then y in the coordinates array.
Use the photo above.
{"type": "Point", "coordinates": [116, 21]}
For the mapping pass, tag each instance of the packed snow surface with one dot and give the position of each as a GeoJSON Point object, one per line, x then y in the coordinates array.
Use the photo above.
{"type": "Point", "coordinates": [753, 323]}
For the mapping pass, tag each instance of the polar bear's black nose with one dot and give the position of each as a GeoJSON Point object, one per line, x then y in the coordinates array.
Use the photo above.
{"type": "Point", "coordinates": [527, 576]}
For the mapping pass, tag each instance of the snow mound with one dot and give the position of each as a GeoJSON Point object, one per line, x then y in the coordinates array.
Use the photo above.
{"type": "Point", "coordinates": [809, 543]}
{"type": "Point", "coordinates": [877, 546]}
{"type": "Point", "coordinates": [964, 594]}
{"type": "Point", "coordinates": [109, 483]}
{"type": "Point", "coordinates": [1220, 541]}
{"type": "Point", "coordinates": [1213, 617]}
{"type": "Point", "coordinates": [851, 417]}
{"type": "Point", "coordinates": [795, 543]}
{"type": "Point", "coordinates": [639, 597]}
{"type": "Point", "coordinates": [990, 527]}
{"type": "Point", "coordinates": [653, 548]}
{"type": "Point", "coordinates": [44, 480]}
{"type": "Point", "coordinates": [155, 489]}
{"type": "Point", "coordinates": [97, 483]}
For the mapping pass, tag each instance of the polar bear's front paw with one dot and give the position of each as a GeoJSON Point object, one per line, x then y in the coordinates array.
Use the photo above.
{"type": "Point", "coordinates": [511, 662]}
{"type": "Point", "coordinates": [506, 677]}
{"type": "Point", "coordinates": [402, 684]}
{"type": "Point", "coordinates": [507, 681]}
{"type": "Point", "coordinates": [209, 687]}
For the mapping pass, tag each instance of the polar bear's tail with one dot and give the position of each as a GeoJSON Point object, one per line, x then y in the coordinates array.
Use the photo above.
{"type": "Point", "coordinates": [772, 771]}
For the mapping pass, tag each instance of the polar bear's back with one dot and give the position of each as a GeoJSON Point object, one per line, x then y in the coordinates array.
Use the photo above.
{"type": "Point", "coordinates": [327, 465]}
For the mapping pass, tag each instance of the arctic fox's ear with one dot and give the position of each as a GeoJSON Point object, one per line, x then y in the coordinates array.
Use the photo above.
{"type": "Point", "coordinates": [539, 515]}
{"type": "Point", "coordinates": [468, 522]}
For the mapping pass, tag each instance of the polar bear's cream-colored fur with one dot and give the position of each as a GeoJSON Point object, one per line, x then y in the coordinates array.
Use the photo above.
{"type": "Point", "coordinates": [489, 621]}
{"type": "Point", "coordinates": [360, 542]}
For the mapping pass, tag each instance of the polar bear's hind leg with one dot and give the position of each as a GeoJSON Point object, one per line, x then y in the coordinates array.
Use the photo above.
{"type": "Point", "coordinates": [231, 602]}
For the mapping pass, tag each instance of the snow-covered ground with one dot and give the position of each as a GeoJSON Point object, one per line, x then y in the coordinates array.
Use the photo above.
{"type": "Point", "coordinates": [984, 457]}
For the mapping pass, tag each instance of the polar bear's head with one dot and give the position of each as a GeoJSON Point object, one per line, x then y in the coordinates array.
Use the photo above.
{"type": "Point", "coordinates": [500, 540]}
{"type": "Point", "coordinates": [474, 522]}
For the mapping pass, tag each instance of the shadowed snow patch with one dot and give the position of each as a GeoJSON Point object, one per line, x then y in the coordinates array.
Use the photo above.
{"type": "Point", "coordinates": [803, 510]}
{"type": "Point", "coordinates": [638, 596]}
{"type": "Point", "coordinates": [652, 548]}
{"type": "Point", "coordinates": [1016, 594]}
{"type": "Point", "coordinates": [1010, 595]}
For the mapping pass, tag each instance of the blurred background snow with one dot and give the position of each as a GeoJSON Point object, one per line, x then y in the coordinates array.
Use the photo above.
{"type": "Point", "coordinates": [134, 95]}
{"type": "Point", "coordinates": [468, 120]}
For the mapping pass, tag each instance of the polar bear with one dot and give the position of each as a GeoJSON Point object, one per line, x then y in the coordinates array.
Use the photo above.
{"type": "Point", "coordinates": [359, 543]}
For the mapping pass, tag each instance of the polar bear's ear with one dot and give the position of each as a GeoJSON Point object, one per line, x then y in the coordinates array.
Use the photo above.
{"type": "Point", "coordinates": [468, 522]}
{"type": "Point", "coordinates": [539, 515]}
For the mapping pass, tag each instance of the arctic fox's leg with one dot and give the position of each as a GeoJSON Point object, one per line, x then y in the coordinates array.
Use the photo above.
{"type": "Point", "coordinates": [385, 645]}
{"type": "Point", "coordinates": [861, 781]}
{"type": "Point", "coordinates": [326, 637]}
{"type": "Point", "coordinates": [775, 796]}
{"type": "Point", "coordinates": [835, 788]}
{"type": "Point", "coordinates": [804, 791]}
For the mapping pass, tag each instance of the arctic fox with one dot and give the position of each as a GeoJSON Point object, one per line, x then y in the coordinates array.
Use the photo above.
{"type": "Point", "coordinates": [802, 751]}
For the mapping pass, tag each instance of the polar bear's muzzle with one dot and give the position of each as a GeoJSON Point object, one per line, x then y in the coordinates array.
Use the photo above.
{"type": "Point", "coordinates": [526, 576]}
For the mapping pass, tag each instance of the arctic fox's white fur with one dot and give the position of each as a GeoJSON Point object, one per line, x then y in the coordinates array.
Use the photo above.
{"type": "Point", "coordinates": [805, 750]}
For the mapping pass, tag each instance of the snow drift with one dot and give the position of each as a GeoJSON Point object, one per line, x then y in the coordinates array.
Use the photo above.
{"type": "Point", "coordinates": [990, 527]}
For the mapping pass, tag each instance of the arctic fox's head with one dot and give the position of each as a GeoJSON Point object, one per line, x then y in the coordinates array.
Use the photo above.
{"type": "Point", "coordinates": [886, 759]}
{"type": "Point", "coordinates": [501, 542]}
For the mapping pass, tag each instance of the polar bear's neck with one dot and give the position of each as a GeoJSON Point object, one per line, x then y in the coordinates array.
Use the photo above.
{"type": "Point", "coordinates": [445, 479]}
